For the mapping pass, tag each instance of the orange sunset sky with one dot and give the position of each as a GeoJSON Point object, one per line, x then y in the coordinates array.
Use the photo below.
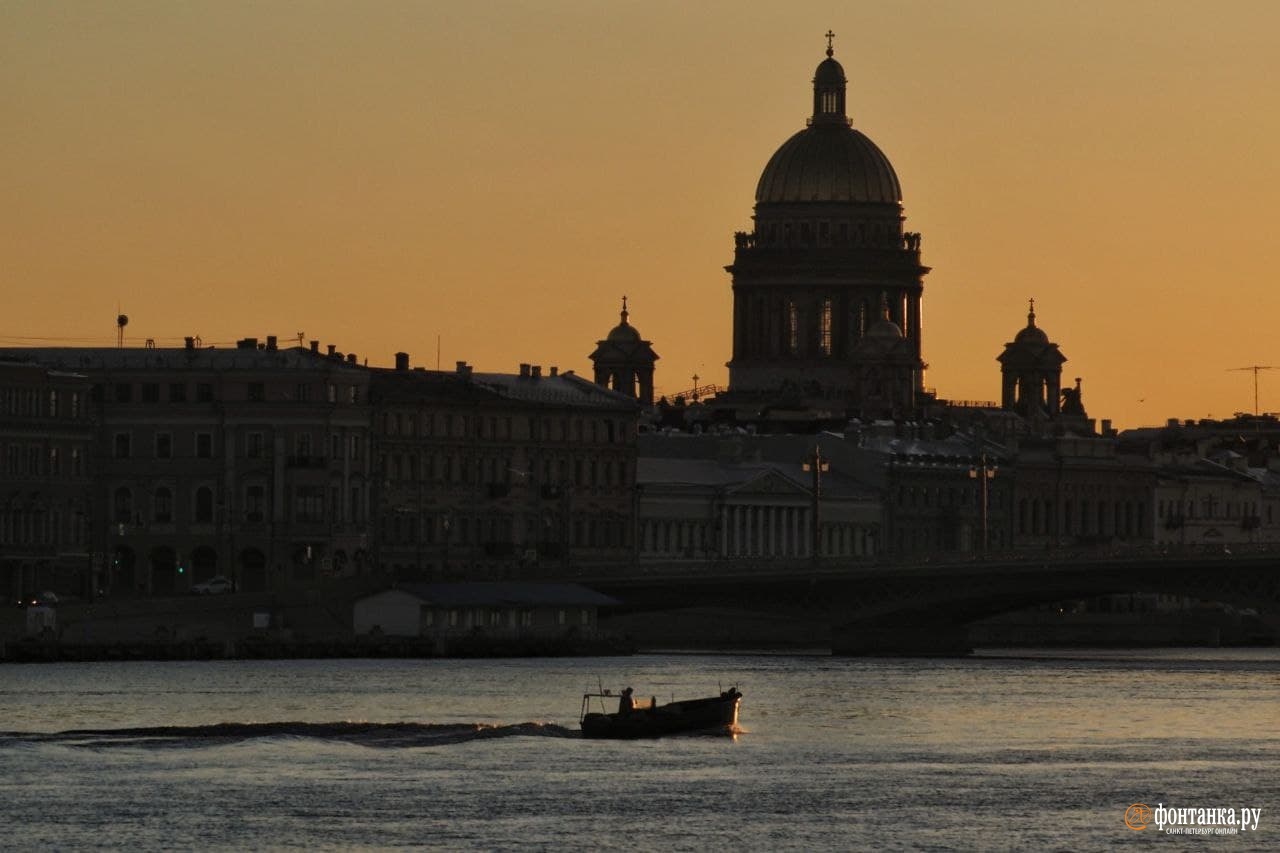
{"type": "Point", "coordinates": [498, 174]}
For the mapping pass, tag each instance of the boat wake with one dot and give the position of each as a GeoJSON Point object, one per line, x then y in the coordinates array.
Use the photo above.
{"type": "Point", "coordinates": [376, 735]}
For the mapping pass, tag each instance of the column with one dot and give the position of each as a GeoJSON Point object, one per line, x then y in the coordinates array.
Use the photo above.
{"type": "Point", "coordinates": [724, 531]}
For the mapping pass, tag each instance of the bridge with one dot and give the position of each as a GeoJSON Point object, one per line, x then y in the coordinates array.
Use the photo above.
{"type": "Point", "coordinates": [924, 607]}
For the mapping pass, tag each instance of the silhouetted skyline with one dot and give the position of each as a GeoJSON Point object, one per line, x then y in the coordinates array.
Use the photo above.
{"type": "Point", "coordinates": [500, 176]}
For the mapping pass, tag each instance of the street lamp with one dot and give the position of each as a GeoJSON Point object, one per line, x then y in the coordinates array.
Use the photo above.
{"type": "Point", "coordinates": [983, 472]}
{"type": "Point", "coordinates": [816, 464]}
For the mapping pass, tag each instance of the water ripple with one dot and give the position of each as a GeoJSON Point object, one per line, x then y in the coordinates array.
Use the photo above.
{"type": "Point", "coordinates": [383, 735]}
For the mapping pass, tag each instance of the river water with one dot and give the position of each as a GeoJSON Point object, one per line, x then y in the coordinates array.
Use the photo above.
{"type": "Point", "coordinates": [1033, 751]}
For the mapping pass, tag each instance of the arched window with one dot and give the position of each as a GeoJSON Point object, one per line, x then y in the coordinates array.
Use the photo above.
{"type": "Point", "coordinates": [204, 504]}
{"type": "Point", "coordinates": [122, 506]}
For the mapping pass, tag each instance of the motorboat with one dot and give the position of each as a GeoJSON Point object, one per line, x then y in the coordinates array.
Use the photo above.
{"type": "Point", "coordinates": [641, 718]}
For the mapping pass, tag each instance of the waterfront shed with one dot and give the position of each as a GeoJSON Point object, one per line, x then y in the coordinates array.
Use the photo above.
{"type": "Point", "coordinates": [501, 609]}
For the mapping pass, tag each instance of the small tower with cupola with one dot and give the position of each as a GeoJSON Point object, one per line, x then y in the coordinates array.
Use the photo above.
{"type": "Point", "coordinates": [1031, 372]}
{"type": "Point", "coordinates": [624, 362]}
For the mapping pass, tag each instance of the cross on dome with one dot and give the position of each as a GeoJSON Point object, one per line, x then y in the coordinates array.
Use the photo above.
{"type": "Point", "coordinates": [830, 37]}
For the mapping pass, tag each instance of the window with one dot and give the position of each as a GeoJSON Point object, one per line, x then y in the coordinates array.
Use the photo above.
{"type": "Point", "coordinates": [257, 392]}
{"type": "Point", "coordinates": [75, 406]}
{"type": "Point", "coordinates": [122, 445]}
{"type": "Point", "coordinates": [124, 392]}
{"type": "Point", "coordinates": [53, 404]}
{"type": "Point", "coordinates": [204, 392]}
{"type": "Point", "coordinates": [54, 467]}
{"type": "Point", "coordinates": [204, 505]}
{"type": "Point", "coordinates": [303, 444]}
{"type": "Point", "coordinates": [253, 445]}
{"type": "Point", "coordinates": [793, 328]}
{"type": "Point", "coordinates": [77, 462]}
{"type": "Point", "coordinates": [355, 447]}
{"type": "Point", "coordinates": [177, 392]}
{"type": "Point", "coordinates": [309, 503]}
{"type": "Point", "coordinates": [162, 506]}
{"type": "Point", "coordinates": [122, 506]}
{"type": "Point", "coordinates": [204, 445]}
{"type": "Point", "coordinates": [164, 445]}
{"type": "Point", "coordinates": [254, 499]}
{"type": "Point", "coordinates": [824, 327]}
{"type": "Point", "coordinates": [302, 392]}
{"type": "Point", "coordinates": [151, 392]}
{"type": "Point", "coordinates": [332, 392]}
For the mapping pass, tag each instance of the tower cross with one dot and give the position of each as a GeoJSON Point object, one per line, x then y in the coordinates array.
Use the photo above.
{"type": "Point", "coordinates": [830, 37]}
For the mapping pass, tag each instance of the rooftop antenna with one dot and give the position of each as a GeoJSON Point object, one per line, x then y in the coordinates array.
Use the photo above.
{"type": "Point", "coordinates": [437, 351]}
{"type": "Point", "coordinates": [1255, 368]}
{"type": "Point", "coordinates": [122, 320]}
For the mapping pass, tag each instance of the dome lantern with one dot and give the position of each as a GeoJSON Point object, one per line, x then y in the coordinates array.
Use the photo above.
{"type": "Point", "coordinates": [829, 85]}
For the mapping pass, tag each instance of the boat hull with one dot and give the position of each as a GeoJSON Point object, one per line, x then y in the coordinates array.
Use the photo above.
{"type": "Point", "coordinates": [692, 715]}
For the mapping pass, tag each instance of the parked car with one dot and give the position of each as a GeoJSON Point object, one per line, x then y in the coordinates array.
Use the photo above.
{"type": "Point", "coordinates": [44, 599]}
{"type": "Point", "coordinates": [216, 585]}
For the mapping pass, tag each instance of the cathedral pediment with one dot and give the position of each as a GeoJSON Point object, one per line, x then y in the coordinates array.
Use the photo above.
{"type": "Point", "coordinates": [768, 483]}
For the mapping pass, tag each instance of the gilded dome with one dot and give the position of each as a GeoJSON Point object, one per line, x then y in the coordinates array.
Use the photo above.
{"type": "Point", "coordinates": [828, 162]}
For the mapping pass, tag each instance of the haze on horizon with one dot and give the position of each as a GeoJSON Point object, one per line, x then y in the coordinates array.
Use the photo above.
{"type": "Point", "coordinates": [377, 175]}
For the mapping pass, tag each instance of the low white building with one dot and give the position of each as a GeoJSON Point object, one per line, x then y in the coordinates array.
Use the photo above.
{"type": "Point", "coordinates": [442, 610]}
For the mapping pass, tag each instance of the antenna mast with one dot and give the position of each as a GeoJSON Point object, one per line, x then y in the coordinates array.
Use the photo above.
{"type": "Point", "coordinates": [1255, 368]}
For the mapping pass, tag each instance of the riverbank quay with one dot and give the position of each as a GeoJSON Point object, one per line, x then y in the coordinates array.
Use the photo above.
{"type": "Point", "coordinates": [308, 623]}
{"type": "Point", "coordinates": [43, 650]}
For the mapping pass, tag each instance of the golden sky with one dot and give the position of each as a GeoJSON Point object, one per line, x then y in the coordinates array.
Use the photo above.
{"type": "Point", "coordinates": [498, 174]}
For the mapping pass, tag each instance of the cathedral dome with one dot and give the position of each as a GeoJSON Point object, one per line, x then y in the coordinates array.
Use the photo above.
{"type": "Point", "coordinates": [828, 162]}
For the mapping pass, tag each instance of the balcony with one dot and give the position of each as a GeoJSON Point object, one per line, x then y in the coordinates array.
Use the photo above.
{"type": "Point", "coordinates": [306, 462]}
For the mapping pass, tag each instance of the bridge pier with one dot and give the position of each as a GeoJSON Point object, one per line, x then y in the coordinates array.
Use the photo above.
{"type": "Point", "coordinates": [901, 638]}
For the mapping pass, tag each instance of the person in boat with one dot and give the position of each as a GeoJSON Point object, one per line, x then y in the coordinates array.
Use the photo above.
{"type": "Point", "coordinates": [625, 703]}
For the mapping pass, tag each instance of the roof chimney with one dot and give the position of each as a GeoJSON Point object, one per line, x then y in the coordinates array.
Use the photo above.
{"type": "Point", "coordinates": [271, 342]}
{"type": "Point", "coordinates": [555, 371]}
{"type": "Point", "coordinates": [536, 371]}
{"type": "Point", "coordinates": [351, 358]}
{"type": "Point", "coordinates": [189, 343]}
{"type": "Point", "coordinates": [315, 347]}
{"type": "Point", "coordinates": [402, 361]}
{"type": "Point", "coordinates": [462, 368]}
{"type": "Point", "coordinates": [247, 343]}
{"type": "Point", "coordinates": [524, 370]}
{"type": "Point", "coordinates": [333, 348]}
